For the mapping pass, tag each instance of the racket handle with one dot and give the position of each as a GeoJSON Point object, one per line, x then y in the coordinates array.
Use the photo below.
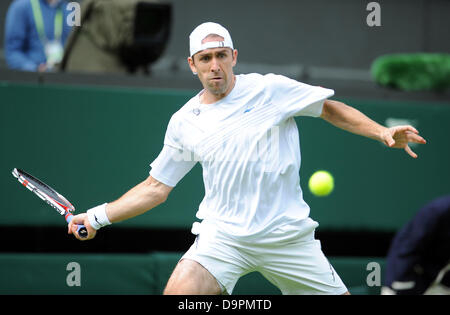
{"type": "Point", "coordinates": [82, 231]}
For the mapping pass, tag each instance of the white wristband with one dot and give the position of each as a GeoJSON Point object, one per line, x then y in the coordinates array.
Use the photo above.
{"type": "Point", "coordinates": [97, 217]}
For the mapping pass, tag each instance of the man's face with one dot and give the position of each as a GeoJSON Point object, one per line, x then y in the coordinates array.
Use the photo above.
{"type": "Point", "coordinates": [214, 68]}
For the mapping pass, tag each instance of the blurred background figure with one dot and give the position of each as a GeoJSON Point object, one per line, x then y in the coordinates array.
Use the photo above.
{"type": "Point", "coordinates": [35, 34]}
{"type": "Point", "coordinates": [418, 261]}
{"type": "Point", "coordinates": [121, 36]}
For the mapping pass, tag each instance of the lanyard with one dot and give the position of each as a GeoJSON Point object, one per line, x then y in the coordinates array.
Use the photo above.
{"type": "Point", "coordinates": [38, 19]}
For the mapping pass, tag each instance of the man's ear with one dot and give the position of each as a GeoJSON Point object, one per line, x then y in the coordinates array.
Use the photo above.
{"type": "Point", "coordinates": [235, 54]}
{"type": "Point", "coordinates": [192, 65]}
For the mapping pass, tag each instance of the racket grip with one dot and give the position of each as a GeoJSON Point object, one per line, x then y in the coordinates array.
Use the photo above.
{"type": "Point", "coordinates": [82, 231]}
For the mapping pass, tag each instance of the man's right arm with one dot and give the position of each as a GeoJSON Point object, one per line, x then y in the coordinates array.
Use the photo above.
{"type": "Point", "coordinates": [141, 198]}
{"type": "Point", "coordinates": [138, 200]}
{"type": "Point", "coordinates": [171, 165]}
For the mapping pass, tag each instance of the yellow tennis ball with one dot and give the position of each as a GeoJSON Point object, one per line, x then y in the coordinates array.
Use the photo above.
{"type": "Point", "coordinates": [321, 183]}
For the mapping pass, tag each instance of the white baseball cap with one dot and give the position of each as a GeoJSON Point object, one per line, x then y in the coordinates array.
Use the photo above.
{"type": "Point", "coordinates": [205, 29]}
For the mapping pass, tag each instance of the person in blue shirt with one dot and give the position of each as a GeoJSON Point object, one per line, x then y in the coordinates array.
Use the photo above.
{"type": "Point", "coordinates": [418, 261]}
{"type": "Point", "coordinates": [35, 33]}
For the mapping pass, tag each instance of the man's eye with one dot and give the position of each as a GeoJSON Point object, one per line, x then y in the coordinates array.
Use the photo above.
{"type": "Point", "coordinates": [204, 58]}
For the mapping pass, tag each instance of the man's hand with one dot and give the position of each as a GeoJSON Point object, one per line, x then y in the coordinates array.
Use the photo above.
{"type": "Point", "coordinates": [81, 219]}
{"type": "Point", "coordinates": [400, 136]}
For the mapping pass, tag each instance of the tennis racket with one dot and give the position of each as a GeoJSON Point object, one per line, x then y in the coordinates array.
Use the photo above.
{"type": "Point", "coordinates": [50, 196]}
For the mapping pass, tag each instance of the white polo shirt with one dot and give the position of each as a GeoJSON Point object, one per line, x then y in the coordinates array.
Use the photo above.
{"type": "Point", "coordinates": [248, 146]}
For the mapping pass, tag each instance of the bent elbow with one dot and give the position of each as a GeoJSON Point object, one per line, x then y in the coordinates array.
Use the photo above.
{"type": "Point", "coordinates": [157, 196]}
{"type": "Point", "coordinates": [162, 197]}
{"type": "Point", "coordinates": [158, 191]}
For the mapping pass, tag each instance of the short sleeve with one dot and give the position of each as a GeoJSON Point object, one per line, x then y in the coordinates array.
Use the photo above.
{"type": "Point", "coordinates": [175, 160]}
{"type": "Point", "coordinates": [295, 98]}
{"type": "Point", "coordinates": [171, 165]}
{"type": "Point", "coordinates": [172, 137]}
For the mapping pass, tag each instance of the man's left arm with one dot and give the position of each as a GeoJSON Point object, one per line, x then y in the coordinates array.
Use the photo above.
{"type": "Point", "coordinates": [352, 120]}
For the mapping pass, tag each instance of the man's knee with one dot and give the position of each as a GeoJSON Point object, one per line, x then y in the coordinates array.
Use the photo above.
{"type": "Point", "coordinates": [190, 278]}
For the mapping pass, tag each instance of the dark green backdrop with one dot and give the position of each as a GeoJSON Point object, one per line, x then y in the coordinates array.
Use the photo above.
{"type": "Point", "coordinates": [93, 144]}
{"type": "Point", "coordinates": [140, 274]}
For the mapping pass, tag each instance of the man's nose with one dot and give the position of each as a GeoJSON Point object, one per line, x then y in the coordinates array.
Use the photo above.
{"type": "Point", "coordinates": [215, 65]}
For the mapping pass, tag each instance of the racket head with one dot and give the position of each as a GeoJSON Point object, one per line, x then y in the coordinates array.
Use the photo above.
{"type": "Point", "coordinates": [43, 191]}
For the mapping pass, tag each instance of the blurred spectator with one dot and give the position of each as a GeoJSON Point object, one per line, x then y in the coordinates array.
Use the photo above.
{"type": "Point", "coordinates": [35, 33]}
{"type": "Point", "coordinates": [418, 261]}
{"type": "Point", "coordinates": [118, 36]}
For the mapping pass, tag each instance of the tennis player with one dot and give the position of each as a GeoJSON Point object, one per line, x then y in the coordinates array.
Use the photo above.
{"type": "Point", "coordinates": [241, 129]}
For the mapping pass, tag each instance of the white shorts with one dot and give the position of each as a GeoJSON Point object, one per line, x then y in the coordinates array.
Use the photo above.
{"type": "Point", "coordinates": [289, 257]}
